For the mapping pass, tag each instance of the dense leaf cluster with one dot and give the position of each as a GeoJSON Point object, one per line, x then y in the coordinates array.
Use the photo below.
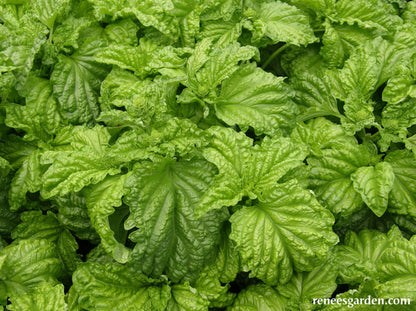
{"type": "Point", "coordinates": [206, 155]}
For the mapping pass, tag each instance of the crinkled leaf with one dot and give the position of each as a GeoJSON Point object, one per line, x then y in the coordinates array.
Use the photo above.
{"type": "Point", "coordinates": [85, 164]}
{"type": "Point", "coordinates": [303, 287]}
{"type": "Point", "coordinates": [367, 14]}
{"type": "Point", "coordinates": [73, 214]}
{"type": "Point", "coordinates": [45, 298]}
{"type": "Point", "coordinates": [265, 105]}
{"type": "Point", "coordinates": [330, 176]}
{"type": "Point", "coordinates": [168, 236]}
{"type": "Point", "coordinates": [101, 201]}
{"type": "Point", "coordinates": [287, 229]}
{"type": "Point", "coordinates": [186, 298]}
{"type": "Point", "coordinates": [374, 183]}
{"type": "Point", "coordinates": [76, 80]}
{"type": "Point", "coordinates": [48, 10]}
{"type": "Point", "coordinates": [27, 264]}
{"type": "Point", "coordinates": [118, 287]}
{"type": "Point", "coordinates": [26, 179]}
{"type": "Point", "coordinates": [39, 118]}
{"type": "Point", "coordinates": [259, 297]}
{"type": "Point", "coordinates": [402, 198]}
{"type": "Point", "coordinates": [143, 60]}
{"type": "Point", "coordinates": [34, 225]}
{"type": "Point", "coordinates": [244, 169]}
{"type": "Point", "coordinates": [281, 22]}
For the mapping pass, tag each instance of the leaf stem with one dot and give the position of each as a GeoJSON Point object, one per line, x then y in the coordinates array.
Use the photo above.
{"type": "Point", "coordinates": [273, 56]}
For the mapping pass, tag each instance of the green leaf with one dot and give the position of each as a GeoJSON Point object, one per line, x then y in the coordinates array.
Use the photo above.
{"type": "Point", "coordinates": [122, 32]}
{"type": "Point", "coordinates": [221, 32]}
{"type": "Point", "coordinates": [246, 170]}
{"type": "Point", "coordinates": [330, 176]}
{"type": "Point", "coordinates": [402, 198]}
{"type": "Point", "coordinates": [46, 298]}
{"type": "Point", "coordinates": [265, 105]}
{"type": "Point", "coordinates": [281, 22]}
{"type": "Point", "coordinates": [320, 134]}
{"type": "Point", "coordinates": [210, 288]}
{"type": "Point", "coordinates": [34, 225]}
{"type": "Point", "coordinates": [208, 67]}
{"type": "Point", "coordinates": [228, 151]}
{"type": "Point", "coordinates": [48, 10]}
{"type": "Point", "coordinates": [303, 287]}
{"type": "Point", "coordinates": [259, 297]}
{"type": "Point", "coordinates": [39, 118]}
{"type": "Point", "coordinates": [227, 259]}
{"type": "Point", "coordinates": [315, 97]}
{"type": "Point", "coordinates": [367, 14]}
{"type": "Point", "coordinates": [119, 287]}
{"type": "Point", "coordinates": [162, 199]}
{"type": "Point", "coordinates": [27, 264]}
{"type": "Point", "coordinates": [185, 298]}
{"type": "Point", "coordinates": [26, 179]}
{"type": "Point", "coordinates": [76, 80]}
{"type": "Point", "coordinates": [287, 229]}
{"type": "Point", "coordinates": [143, 60]}
{"type": "Point", "coordinates": [84, 165]}
{"type": "Point", "coordinates": [358, 257]}
{"type": "Point", "coordinates": [374, 183]}
{"type": "Point", "coordinates": [101, 201]}
{"type": "Point", "coordinates": [73, 214]}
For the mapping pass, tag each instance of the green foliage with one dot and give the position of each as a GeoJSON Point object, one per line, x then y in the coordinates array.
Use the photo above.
{"type": "Point", "coordinates": [206, 155]}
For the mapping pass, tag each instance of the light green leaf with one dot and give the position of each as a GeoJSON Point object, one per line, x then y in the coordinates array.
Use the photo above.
{"type": "Point", "coordinates": [209, 287]}
{"type": "Point", "coordinates": [122, 32]}
{"type": "Point", "coordinates": [402, 198]}
{"type": "Point", "coordinates": [39, 118]}
{"type": "Point", "coordinates": [221, 32]}
{"type": "Point", "coordinates": [35, 225]}
{"type": "Point", "coordinates": [319, 134]}
{"type": "Point", "coordinates": [281, 22]}
{"type": "Point", "coordinates": [48, 10]}
{"type": "Point", "coordinates": [367, 14]}
{"type": "Point", "coordinates": [118, 287]}
{"type": "Point", "coordinates": [330, 176]}
{"type": "Point", "coordinates": [26, 179]}
{"type": "Point", "coordinates": [73, 214]}
{"type": "Point", "coordinates": [265, 105]}
{"type": "Point", "coordinates": [45, 298]}
{"type": "Point", "coordinates": [259, 297]}
{"type": "Point", "coordinates": [208, 67]}
{"type": "Point", "coordinates": [101, 201]}
{"type": "Point", "coordinates": [244, 169]}
{"type": "Point", "coordinates": [27, 264]}
{"type": "Point", "coordinates": [314, 96]}
{"type": "Point", "coordinates": [227, 259]}
{"type": "Point", "coordinates": [228, 150]}
{"type": "Point", "coordinates": [287, 229]}
{"type": "Point", "coordinates": [76, 80]}
{"type": "Point", "coordinates": [144, 60]}
{"type": "Point", "coordinates": [357, 258]}
{"type": "Point", "coordinates": [186, 298]}
{"type": "Point", "coordinates": [303, 287]}
{"type": "Point", "coordinates": [162, 199]}
{"type": "Point", "coordinates": [374, 183]}
{"type": "Point", "coordinates": [84, 165]}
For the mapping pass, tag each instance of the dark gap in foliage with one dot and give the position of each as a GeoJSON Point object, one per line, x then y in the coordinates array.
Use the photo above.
{"type": "Point", "coordinates": [116, 222]}
{"type": "Point", "coordinates": [242, 281]}
{"type": "Point", "coordinates": [412, 130]}
{"type": "Point", "coordinates": [341, 288]}
{"type": "Point", "coordinates": [334, 119]}
{"type": "Point", "coordinates": [85, 246]}
{"type": "Point", "coordinates": [340, 107]}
